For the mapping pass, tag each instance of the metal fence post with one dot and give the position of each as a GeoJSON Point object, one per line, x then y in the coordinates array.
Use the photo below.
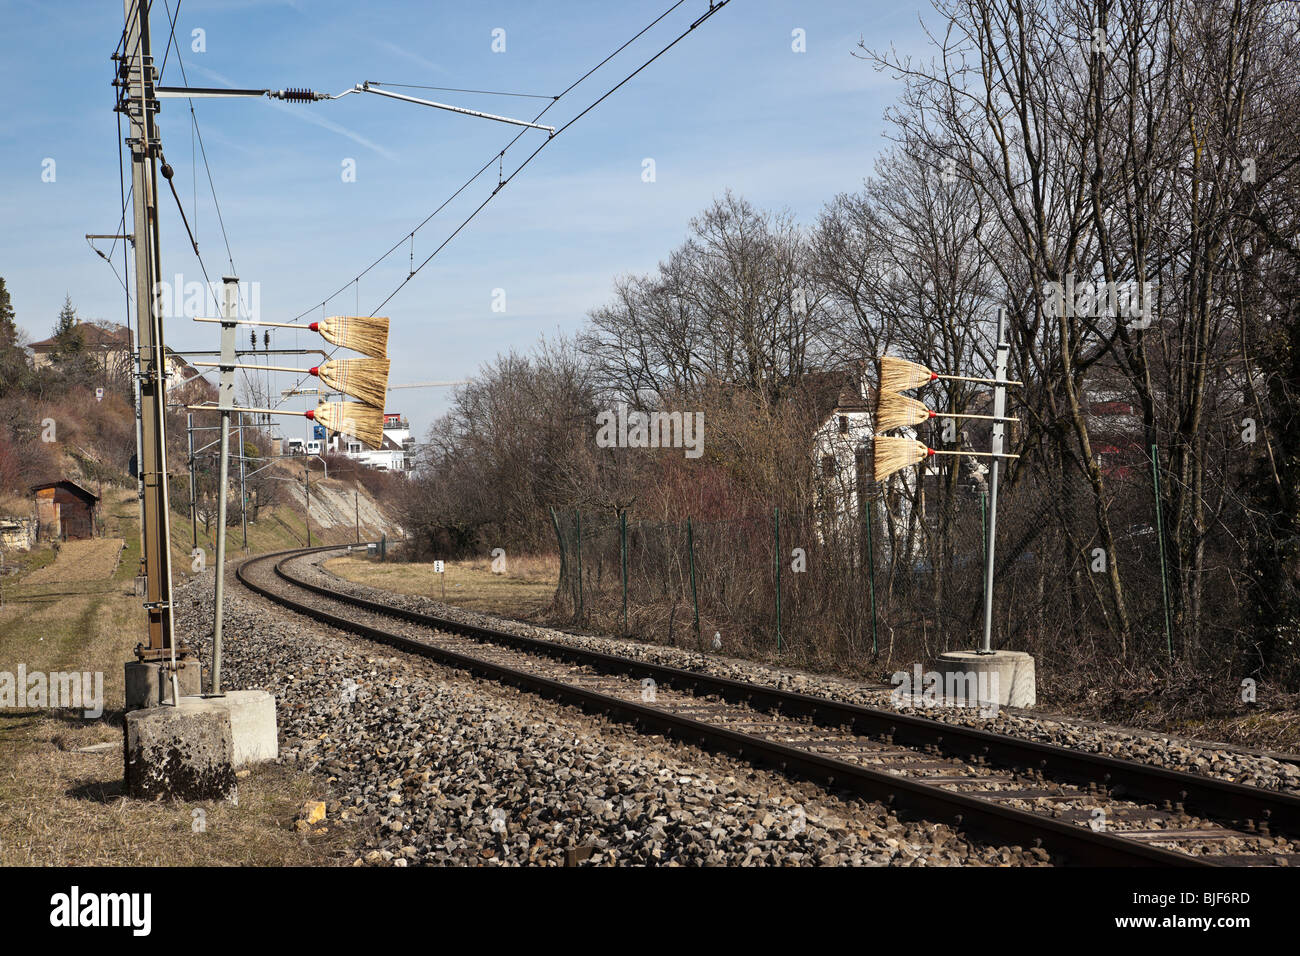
{"type": "Point", "coordinates": [622, 529]}
{"type": "Point", "coordinates": [776, 525]}
{"type": "Point", "coordinates": [577, 526]}
{"type": "Point", "coordinates": [984, 527]}
{"type": "Point", "coordinates": [1160, 536]}
{"type": "Point", "coordinates": [690, 550]}
{"type": "Point", "coordinates": [871, 580]}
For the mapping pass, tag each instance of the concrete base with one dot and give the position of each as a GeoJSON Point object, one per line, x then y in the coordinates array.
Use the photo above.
{"type": "Point", "coordinates": [183, 753]}
{"type": "Point", "coordinates": [252, 725]}
{"type": "Point", "coordinates": [1016, 684]}
{"type": "Point", "coordinates": [150, 684]}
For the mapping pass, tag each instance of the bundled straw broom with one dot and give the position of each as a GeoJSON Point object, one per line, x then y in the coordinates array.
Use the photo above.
{"type": "Point", "coordinates": [894, 454]}
{"type": "Point", "coordinates": [900, 375]}
{"type": "Point", "coordinates": [363, 378]}
{"type": "Point", "coordinates": [367, 334]}
{"type": "Point", "coordinates": [899, 411]}
{"type": "Point", "coordinates": [365, 422]}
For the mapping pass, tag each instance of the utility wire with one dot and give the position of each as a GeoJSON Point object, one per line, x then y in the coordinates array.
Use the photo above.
{"type": "Point", "coordinates": [501, 184]}
{"type": "Point", "coordinates": [610, 92]}
{"type": "Point", "coordinates": [211, 185]}
{"type": "Point", "coordinates": [454, 89]}
{"type": "Point", "coordinates": [494, 158]}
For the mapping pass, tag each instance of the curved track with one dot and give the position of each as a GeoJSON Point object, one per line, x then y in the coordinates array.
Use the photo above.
{"type": "Point", "coordinates": [1083, 808]}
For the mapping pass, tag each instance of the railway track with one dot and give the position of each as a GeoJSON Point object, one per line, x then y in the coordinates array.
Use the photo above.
{"type": "Point", "coordinates": [1081, 807]}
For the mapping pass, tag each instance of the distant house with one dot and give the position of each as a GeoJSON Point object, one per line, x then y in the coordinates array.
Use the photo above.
{"type": "Point", "coordinates": [842, 441]}
{"type": "Point", "coordinates": [108, 344]}
{"type": "Point", "coordinates": [395, 453]}
{"type": "Point", "coordinates": [843, 456]}
{"type": "Point", "coordinates": [111, 346]}
{"type": "Point", "coordinates": [65, 510]}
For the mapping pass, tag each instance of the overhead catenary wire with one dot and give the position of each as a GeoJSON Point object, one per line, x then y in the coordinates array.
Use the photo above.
{"type": "Point", "coordinates": [490, 161]}
{"type": "Point", "coordinates": [713, 8]}
{"type": "Point", "coordinates": [456, 89]}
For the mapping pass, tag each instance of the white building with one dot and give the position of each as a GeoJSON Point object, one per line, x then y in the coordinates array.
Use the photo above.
{"type": "Point", "coordinates": [843, 458]}
{"type": "Point", "coordinates": [396, 453]}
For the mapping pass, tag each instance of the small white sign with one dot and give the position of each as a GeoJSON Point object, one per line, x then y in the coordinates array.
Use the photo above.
{"type": "Point", "coordinates": [99, 394]}
{"type": "Point", "coordinates": [437, 567]}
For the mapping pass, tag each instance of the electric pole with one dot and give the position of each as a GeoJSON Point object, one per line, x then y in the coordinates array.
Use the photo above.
{"type": "Point", "coordinates": [189, 441]}
{"type": "Point", "coordinates": [136, 79]}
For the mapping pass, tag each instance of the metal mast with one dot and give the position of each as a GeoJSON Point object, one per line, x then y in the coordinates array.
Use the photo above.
{"type": "Point", "coordinates": [136, 98]}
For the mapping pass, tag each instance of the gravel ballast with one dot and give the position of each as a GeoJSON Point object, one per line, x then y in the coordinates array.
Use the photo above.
{"type": "Point", "coordinates": [1155, 749]}
{"type": "Point", "coordinates": [431, 766]}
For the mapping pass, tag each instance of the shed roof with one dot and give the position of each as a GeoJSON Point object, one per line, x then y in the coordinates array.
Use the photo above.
{"type": "Point", "coordinates": [68, 485]}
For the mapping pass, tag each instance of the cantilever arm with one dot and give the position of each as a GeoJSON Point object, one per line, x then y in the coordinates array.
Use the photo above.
{"type": "Point", "coordinates": [368, 87]}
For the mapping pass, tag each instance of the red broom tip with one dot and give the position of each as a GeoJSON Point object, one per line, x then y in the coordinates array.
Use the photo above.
{"type": "Point", "coordinates": [311, 413]}
{"type": "Point", "coordinates": [315, 370]}
{"type": "Point", "coordinates": [315, 326]}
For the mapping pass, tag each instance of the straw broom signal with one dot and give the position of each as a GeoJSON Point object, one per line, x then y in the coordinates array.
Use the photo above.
{"type": "Point", "coordinates": [894, 454]}
{"type": "Point", "coordinates": [899, 411]}
{"type": "Point", "coordinates": [367, 334]}
{"type": "Point", "coordinates": [900, 375]}
{"type": "Point", "coordinates": [363, 378]}
{"type": "Point", "coordinates": [365, 422]}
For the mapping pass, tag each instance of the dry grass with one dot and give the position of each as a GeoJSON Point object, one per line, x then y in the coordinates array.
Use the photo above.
{"type": "Point", "coordinates": [60, 807]}
{"type": "Point", "coordinates": [525, 589]}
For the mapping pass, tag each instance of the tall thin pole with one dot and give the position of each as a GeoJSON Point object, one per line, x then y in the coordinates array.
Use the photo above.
{"type": "Point", "coordinates": [225, 400]}
{"type": "Point", "coordinates": [306, 483]}
{"type": "Point", "coordinates": [243, 495]}
{"type": "Point", "coordinates": [776, 527]}
{"type": "Point", "coordinates": [695, 596]}
{"type": "Point", "coordinates": [194, 519]}
{"type": "Point", "coordinates": [871, 579]}
{"type": "Point", "coordinates": [356, 512]}
{"type": "Point", "coordinates": [1160, 542]}
{"type": "Point", "coordinates": [999, 428]}
{"type": "Point", "coordinates": [622, 529]}
{"type": "Point", "coordinates": [137, 99]}
{"type": "Point", "coordinates": [577, 527]}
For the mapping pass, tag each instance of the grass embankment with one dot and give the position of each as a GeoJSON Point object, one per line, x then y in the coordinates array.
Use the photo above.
{"type": "Point", "coordinates": [526, 587]}
{"type": "Point", "coordinates": [62, 807]}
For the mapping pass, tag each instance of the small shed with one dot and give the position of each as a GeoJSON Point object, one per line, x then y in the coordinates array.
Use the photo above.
{"type": "Point", "coordinates": [65, 510]}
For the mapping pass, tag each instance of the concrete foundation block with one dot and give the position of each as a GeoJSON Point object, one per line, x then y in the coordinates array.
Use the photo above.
{"type": "Point", "coordinates": [181, 753]}
{"type": "Point", "coordinates": [149, 684]}
{"type": "Point", "coordinates": [252, 725]}
{"type": "Point", "coordinates": [1011, 671]}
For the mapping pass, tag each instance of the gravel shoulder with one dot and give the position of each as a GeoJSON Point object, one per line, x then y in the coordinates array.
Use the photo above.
{"type": "Point", "coordinates": [430, 766]}
{"type": "Point", "coordinates": [1214, 760]}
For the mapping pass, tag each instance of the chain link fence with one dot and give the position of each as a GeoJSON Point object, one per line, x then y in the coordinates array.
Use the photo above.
{"type": "Point", "coordinates": [869, 585]}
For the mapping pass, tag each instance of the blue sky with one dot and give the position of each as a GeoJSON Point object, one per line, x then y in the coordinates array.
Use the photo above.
{"type": "Point", "coordinates": [731, 106]}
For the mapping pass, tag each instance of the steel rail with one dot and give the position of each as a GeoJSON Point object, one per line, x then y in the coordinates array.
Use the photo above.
{"type": "Point", "coordinates": [1205, 796]}
{"type": "Point", "coordinates": [972, 814]}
